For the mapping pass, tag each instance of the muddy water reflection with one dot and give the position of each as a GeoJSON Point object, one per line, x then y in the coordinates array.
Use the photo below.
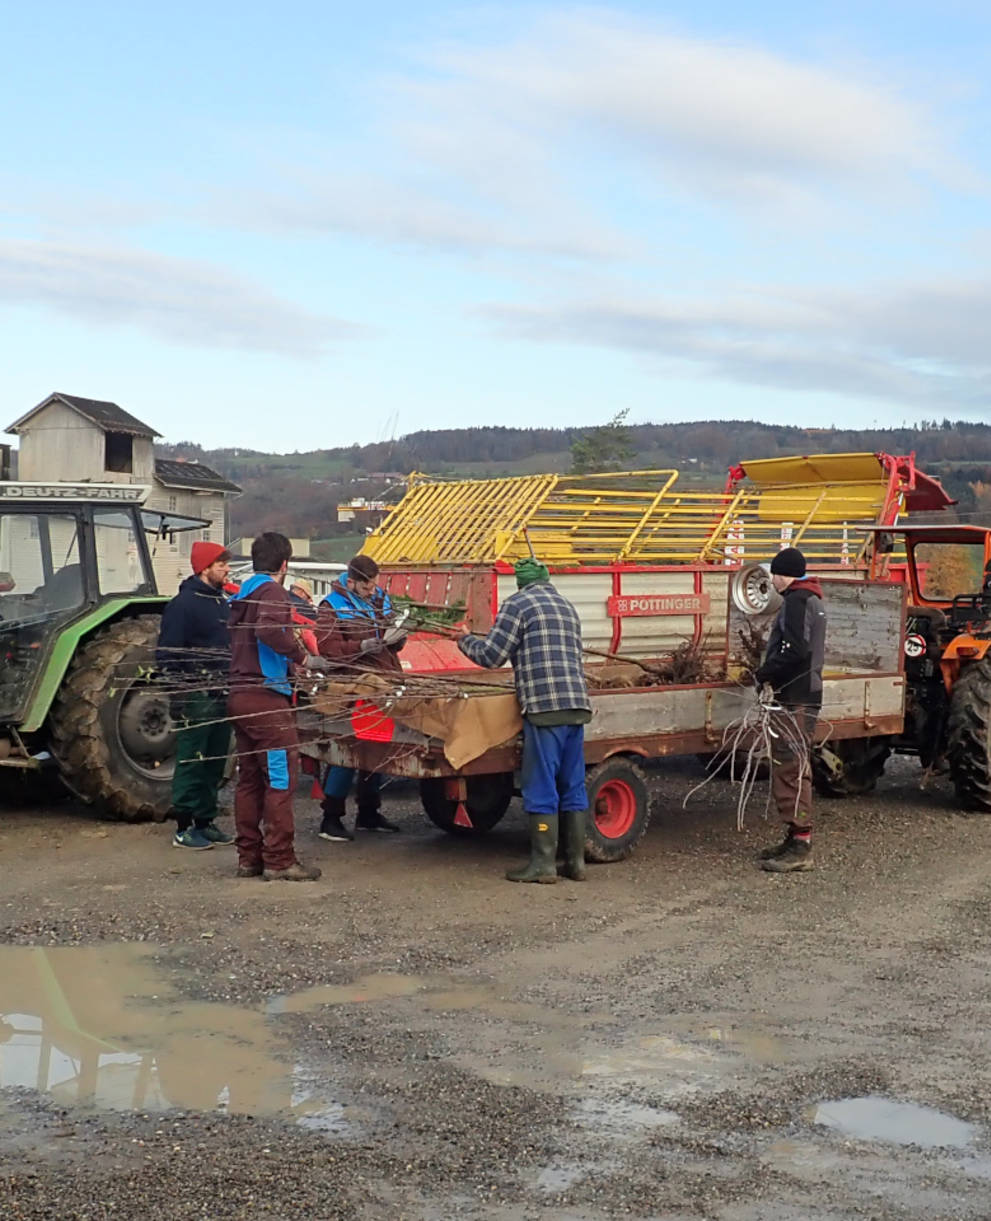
{"type": "Point", "coordinates": [101, 1025]}
{"type": "Point", "coordinates": [902, 1123]}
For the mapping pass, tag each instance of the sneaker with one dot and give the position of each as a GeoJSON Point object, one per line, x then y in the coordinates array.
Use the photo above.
{"type": "Point", "coordinates": [214, 834]}
{"type": "Point", "coordinates": [333, 829]}
{"type": "Point", "coordinates": [249, 871]}
{"type": "Point", "coordinates": [372, 820]}
{"type": "Point", "coordinates": [796, 859]}
{"type": "Point", "coordinates": [193, 838]}
{"type": "Point", "coordinates": [295, 873]}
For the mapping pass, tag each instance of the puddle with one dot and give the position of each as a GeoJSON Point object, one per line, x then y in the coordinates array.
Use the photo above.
{"type": "Point", "coordinates": [801, 1158]}
{"type": "Point", "coordinates": [900, 1123]}
{"type": "Point", "coordinates": [102, 1026]}
{"type": "Point", "coordinates": [557, 1179]}
{"type": "Point", "coordinates": [622, 1117]}
{"type": "Point", "coordinates": [365, 988]}
{"type": "Point", "coordinates": [648, 1055]}
{"type": "Point", "coordinates": [749, 1041]}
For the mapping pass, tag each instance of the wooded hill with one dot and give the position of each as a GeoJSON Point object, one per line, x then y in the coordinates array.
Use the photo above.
{"type": "Point", "coordinates": [298, 493]}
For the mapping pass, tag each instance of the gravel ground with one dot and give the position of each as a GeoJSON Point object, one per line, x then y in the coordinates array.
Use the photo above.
{"type": "Point", "coordinates": [413, 1037]}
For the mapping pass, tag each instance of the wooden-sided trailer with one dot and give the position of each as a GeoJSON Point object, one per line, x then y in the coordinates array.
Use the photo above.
{"type": "Point", "coordinates": [864, 696]}
{"type": "Point", "coordinates": [652, 568]}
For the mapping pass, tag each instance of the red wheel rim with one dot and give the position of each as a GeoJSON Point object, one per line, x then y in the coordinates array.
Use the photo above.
{"type": "Point", "coordinates": [615, 809]}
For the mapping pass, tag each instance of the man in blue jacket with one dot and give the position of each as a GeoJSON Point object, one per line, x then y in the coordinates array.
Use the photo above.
{"type": "Point", "coordinates": [264, 651]}
{"type": "Point", "coordinates": [194, 655]}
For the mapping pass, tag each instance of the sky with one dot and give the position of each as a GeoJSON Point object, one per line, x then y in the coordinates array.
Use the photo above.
{"type": "Point", "coordinates": [310, 224]}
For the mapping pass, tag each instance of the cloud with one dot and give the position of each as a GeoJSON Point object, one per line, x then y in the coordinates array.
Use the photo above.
{"type": "Point", "coordinates": [568, 137]}
{"type": "Point", "coordinates": [182, 300]}
{"type": "Point", "coordinates": [733, 108]}
{"type": "Point", "coordinates": [921, 346]}
{"type": "Point", "coordinates": [372, 205]}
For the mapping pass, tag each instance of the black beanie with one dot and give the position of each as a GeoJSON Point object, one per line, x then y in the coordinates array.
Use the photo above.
{"type": "Point", "coordinates": [789, 563]}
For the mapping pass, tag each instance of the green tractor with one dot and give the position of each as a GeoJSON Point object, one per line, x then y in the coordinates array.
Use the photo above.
{"type": "Point", "coordinates": [79, 618]}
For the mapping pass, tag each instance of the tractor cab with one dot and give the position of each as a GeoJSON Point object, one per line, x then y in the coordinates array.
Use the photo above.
{"type": "Point", "coordinates": [948, 572]}
{"type": "Point", "coordinates": [79, 618]}
{"type": "Point", "coordinates": [947, 646]}
{"type": "Point", "coordinates": [66, 549]}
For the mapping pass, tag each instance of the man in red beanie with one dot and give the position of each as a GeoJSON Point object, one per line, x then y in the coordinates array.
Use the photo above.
{"type": "Point", "coordinates": [194, 655]}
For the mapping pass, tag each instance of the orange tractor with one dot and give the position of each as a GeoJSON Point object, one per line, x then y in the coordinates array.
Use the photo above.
{"type": "Point", "coordinates": [947, 666]}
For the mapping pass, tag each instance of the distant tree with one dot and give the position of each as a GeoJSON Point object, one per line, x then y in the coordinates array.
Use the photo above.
{"type": "Point", "coordinates": [606, 448]}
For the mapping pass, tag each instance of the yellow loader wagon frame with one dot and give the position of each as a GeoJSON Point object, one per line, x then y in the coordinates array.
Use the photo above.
{"type": "Point", "coordinates": [819, 503]}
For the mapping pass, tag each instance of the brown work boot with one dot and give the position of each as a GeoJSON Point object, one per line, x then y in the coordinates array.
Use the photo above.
{"type": "Point", "coordinates": [797, 858]}
{"type": "Point", "coordinates": [249, 871]}
{"type": "Point", "coordinates": [295, 873]}
{"type": "Point", "coordinates": [770, 854]}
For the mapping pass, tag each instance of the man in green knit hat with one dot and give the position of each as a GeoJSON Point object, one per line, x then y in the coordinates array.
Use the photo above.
{"type": "Point", "coordinates": [538, 630]}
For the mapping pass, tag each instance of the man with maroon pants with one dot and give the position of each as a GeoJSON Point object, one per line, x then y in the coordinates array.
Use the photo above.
{"type": "Point", "coordinates": [263, 649]}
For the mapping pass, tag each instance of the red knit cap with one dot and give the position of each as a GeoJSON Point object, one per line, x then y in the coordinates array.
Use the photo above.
{"type": "Point", "coordinates": [205, 554]}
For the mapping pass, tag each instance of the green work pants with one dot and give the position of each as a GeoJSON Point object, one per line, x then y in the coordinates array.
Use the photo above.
{"type": "Point", "coordinates": [203, 741]}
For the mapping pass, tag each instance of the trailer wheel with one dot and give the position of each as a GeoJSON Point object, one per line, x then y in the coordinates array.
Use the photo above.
{"type": "Point", "coordinates": [850, 767]}
{"type": "Point", "coordinates": [619, 810]}
{"type": "Point", "coordinates": [487, 800]}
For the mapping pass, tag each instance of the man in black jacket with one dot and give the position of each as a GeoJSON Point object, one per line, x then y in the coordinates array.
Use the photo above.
{"type": "Point", "coordinates": [792, 667]}
{"type": "Point", "coordinates": [194, 655]}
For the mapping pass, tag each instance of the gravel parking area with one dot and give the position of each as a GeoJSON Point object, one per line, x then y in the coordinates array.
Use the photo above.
{"type": "Point", "coordinates": [413, 1037]}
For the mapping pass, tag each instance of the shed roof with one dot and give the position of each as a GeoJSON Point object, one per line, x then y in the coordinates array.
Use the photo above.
{"type": "Point", "coordinates": [194, 476]}
{"type": "Point", "coordinates": [105, 415]}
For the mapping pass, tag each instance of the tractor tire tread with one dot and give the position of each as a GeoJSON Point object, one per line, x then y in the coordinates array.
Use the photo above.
{"type": "Point", "coordinates": [75, 726]}
{"type": "Point", "coordinates": [598, 848]}
{"type": "Point", "coordinates": [968, 736]}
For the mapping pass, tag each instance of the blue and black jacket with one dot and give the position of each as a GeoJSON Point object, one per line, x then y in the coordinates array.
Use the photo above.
{"type": "Point", "coordinates": [263, 643]}
{"type": "Point", "coordinates": [345, 620]}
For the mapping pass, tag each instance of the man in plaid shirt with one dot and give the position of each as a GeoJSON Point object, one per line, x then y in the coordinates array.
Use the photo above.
{"type": "Point", "coordinates": [538, 630]}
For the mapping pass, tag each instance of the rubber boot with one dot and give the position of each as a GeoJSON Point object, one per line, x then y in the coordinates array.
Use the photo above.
{"type": "Point", "coordinates": [542, 866]}
{"type": "Point", "coordinates": [573, 826]}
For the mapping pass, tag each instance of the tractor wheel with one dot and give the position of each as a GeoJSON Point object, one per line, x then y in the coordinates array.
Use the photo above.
{"type": "Point", "coordinates": [110, 727]}
{"type": "Point", "coordinates": [850, 767]}
{"type": "Point", "coordinates": [488, 798]}
{"type": "Point", "coordinates": [619, 810]}
{"type": "Point", "coordinates": [968, 736]}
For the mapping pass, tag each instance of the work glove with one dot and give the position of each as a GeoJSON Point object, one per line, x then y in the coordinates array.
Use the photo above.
{"type": "Point", "coordinates": [395, 638]}
{"type": "Point", "coordinates": [315, 664]}
{"type": "Point", "coordinates": [371, 644]}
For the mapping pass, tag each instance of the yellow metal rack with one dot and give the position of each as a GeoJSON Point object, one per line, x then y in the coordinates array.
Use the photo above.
{"type": "Point", "coordinates": [820, 503]}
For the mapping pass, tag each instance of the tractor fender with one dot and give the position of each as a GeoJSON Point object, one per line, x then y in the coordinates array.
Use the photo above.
{"type": "Point", "coordinates": [67, 643]}
{"type": "Point", "coordinates": [966, 648]}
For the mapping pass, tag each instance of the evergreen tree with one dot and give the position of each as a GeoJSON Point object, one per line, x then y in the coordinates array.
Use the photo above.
{"type": "Point", "coordinates": [606, 448]}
